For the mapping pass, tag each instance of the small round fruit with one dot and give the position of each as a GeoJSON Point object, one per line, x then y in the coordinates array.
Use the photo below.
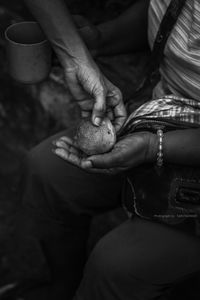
{"type": "Point", "coordinates": [93, 139]}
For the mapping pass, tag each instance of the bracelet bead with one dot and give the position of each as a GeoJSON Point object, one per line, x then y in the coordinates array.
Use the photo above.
{"type": "Point", "coordinates": [159, 161]}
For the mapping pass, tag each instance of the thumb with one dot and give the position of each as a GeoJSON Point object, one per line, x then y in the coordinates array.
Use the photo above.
{"type": "Point", "coordinates": [105, 160]}
{"type": "Point", "coordinates": [99, 108]}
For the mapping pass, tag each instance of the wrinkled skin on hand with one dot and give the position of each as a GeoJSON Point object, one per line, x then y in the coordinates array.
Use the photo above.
{"type": "Point", "coordinates": [95, 94]}
{"type": "Point", "coordinates": [130, 151]}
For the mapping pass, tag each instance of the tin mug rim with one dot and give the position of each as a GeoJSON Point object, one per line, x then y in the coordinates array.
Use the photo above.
{"type": "Point", "coordinates": [24, 44]}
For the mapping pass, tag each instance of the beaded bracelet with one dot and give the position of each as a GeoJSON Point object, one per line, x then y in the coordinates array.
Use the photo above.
{"type": "Point", "coordinates": [159, 161]}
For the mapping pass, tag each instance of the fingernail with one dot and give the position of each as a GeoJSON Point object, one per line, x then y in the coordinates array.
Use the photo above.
{"type": "Point", "coordinates": [59, 144]}
{"type": "Point", "coordinates": [87, 164]}
{"type": "Point", "coordinates": [97, 121]}
{"type": "Point", "coordinates": [57, 151]}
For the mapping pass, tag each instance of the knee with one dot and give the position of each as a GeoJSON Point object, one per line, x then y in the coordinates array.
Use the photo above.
{"type": "Point", "coordinates": [49, 185]}
{"type": "Point", "coordinates": [31, 165]}
{"type": "Point", "coordinates": [107, 263]}
{"type": "Point", "coordinates": [38, 163]}
{"type": "Point", "coordinates": [37, 176]}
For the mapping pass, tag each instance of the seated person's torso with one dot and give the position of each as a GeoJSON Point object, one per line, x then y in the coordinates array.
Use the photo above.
{"type": "Point", "coordinates": [180, 69]}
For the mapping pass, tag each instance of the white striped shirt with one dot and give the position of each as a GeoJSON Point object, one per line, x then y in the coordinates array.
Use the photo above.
{"type": "Point", "coordinates": [180, 69]}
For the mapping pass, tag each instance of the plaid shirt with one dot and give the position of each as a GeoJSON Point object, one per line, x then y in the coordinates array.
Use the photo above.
{"type": "Point", "coordinates": [170, 108]}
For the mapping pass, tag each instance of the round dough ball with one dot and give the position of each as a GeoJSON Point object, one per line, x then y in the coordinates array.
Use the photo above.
{"type": "Point", "coordinates": [93, 139]}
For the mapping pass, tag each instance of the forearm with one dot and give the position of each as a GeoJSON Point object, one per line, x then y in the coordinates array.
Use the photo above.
{"type": "Point", "coordinates": [126, 33]}
{"type": "Point", "coordinates": [57, 24]}
{"type": "Point", "coordinates": [179, 147]}
{"type": "Point", "coordinates": [183, 147]}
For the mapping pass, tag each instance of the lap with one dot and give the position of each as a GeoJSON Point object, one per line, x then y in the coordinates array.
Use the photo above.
{"type": "Point", "coordinates": [48, 176]}
{"type": "Point", "coordinates": [138, 251]}
{"type": "Point", "coordinates": [139, 259]}
{"type": "Point", "coordinates": [148, 251]}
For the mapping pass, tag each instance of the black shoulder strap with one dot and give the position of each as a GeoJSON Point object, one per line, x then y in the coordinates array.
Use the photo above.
{"type": "Point", "coordinates": [173, 11]}
{"type": "Point", "coordinates": [142, 94]}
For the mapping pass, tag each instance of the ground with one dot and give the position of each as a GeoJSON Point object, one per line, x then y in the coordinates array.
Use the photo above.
{"type": "Point", "coordinates": [28, 114]}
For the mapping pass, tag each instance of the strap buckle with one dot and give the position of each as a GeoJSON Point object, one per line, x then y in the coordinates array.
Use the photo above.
{"type": "Point", "coordinates": [185, 194]}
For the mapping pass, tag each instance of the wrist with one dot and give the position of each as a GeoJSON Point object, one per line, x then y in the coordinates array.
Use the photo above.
{"type": "Point", "coordinates": [72, 62]}
{"type": "Point", "coordinates": [152, 148]}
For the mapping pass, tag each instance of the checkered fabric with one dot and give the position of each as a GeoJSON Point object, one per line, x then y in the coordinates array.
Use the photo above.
{"type": "Point", "coordinates": [170, 108]}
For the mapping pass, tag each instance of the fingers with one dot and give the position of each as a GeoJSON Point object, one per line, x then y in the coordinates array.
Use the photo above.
{"type": "Point", "coordinates": [85, 114]}
{"type": "Point", "coordinates": [120, 116]}
{"type": "Point", "coordinates": [89, 92]}
{"type": "Point", "coordinates": [110, 115]}
{"type": "Point", "coordinates": [72, 158]}
{"type": "Point", "coordinates": [96, 94]}
{"type": "Point", "coordinates": [104, 161]}
{"type": "Point", "coordinates": [84, 164]}
{"type": "Point", "coordinates": [86, 107]}
{"type": "Point", "coordinates": [99, 108]}
{"type": "Point", "coordinates": [109, 172]}
{"type": "Point", "coordinates": [68, 141]}
{"type": "Point", "coordinates": [66, 150]}
{"type": "Point", "coordinates": [67, 155]}
{"type": "Point", "coordinates": [86, 104]}
{"type": "Point", "coordinates": [116, 103]}
{"type": "Point", "coordinates": [107, 164]}
{"type": "Point", "coordinates": [67, 144]}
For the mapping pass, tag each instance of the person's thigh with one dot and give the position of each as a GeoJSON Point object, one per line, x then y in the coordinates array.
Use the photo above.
{"type": "Point", "coordinates": [59, 200]}
{"type": "Point", "coordinates": [139, 260]}
{"type": "Point", "coordinates": [54, 187]}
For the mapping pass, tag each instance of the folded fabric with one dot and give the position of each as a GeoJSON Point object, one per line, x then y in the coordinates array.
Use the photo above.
{"type": "Point", "coordinates": [170, 109]}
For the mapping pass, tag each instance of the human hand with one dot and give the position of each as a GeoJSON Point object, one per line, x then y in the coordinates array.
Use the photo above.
{"type": "Point", "coordinates": [130, 151]}
{"type": "Point", "coordinates": [95, 94]}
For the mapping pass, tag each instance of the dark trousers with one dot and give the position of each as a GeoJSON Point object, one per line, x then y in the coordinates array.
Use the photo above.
{"type": "Point", "coordinates": [137, 260]}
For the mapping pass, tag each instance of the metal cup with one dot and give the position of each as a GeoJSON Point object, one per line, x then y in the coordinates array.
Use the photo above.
{"type": "Point", "coordinates": [28, 52]}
